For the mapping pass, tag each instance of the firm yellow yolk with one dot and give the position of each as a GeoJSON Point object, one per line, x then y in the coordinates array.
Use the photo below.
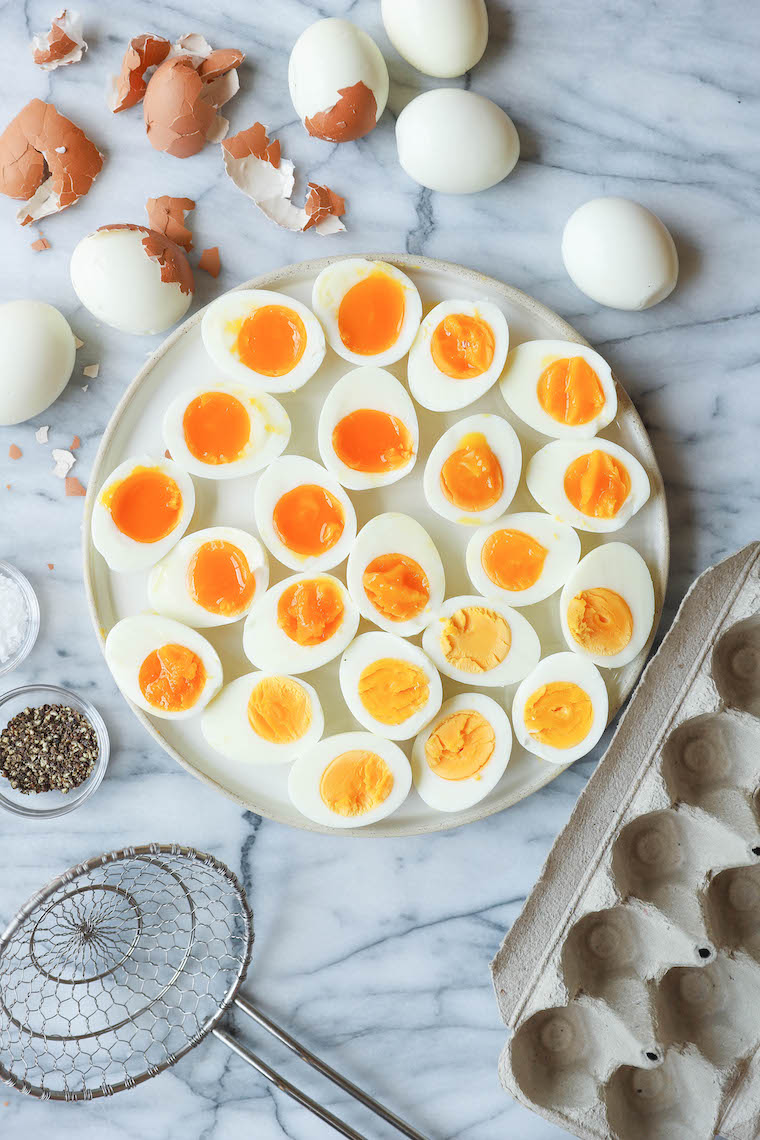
{"type": "Point", "coordinates": [600, 620]}
{"type": "Point", "coordinates": [475, 639]}
{"type": "Point", "coordinates": [309, 612]}
{"type": "Point", "coordinates": [570, 391]}
{"type": "Point", "coordinates": [559, 714]}
{"type": "Point", "coordinates": [271, 340]}
{"type": "Point", "coordinates": [460, 746]}
{"type": "Point", "coordinates": [220, 578]}
{"type": "Point", "coordinates": [371, 314]}
{"type": "Point", "coordinates": [216, 427]}
{"type": "Point", "coordinates": [462, 346]}
{"type": "Point", "coordinates": [513, 559]}
{"type": "Point", "coordinates": [146, 506]}
{"type": "Point", "coordinates": [172, 678]}
{"type": "Point", "coordinates": [279, 710]}
{"type": "Point", "coordinates": [397, 586]}
{"type": "Point", "coordinates": [597, 484]}
{"type": "Point", "coordinates": [308, 520]}
{"type": "Point", "coordinates": [372, 441]}
{"type": "Point", "coordinates": [355, 782]}
{"type": "Point", "coordinates": [471, 477]}
{"type": "Point", "coordinates": [392, 690]}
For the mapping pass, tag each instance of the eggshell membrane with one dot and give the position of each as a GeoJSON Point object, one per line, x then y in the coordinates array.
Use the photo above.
{"type": "Point", "coordinates": [38, 358]}
{"type": "Point", "coordinates": [268, 647]}
{"type": "Point", "coordinates": [561, 542]}
{"type": "Point", "coordinates": [226, 727]}
{"type": "Point", "coordinates": [334, 282]}
{"type": "Point", "coordinates": [523, 654]}
{"type": "Point", "coordinates": [545, 477]}
{"type": "Point", "coordinates": [576, 670]}
{"type": "Point", "coordinates": [442, 38]}
{"type": "Point", "coordinates": [433, 388]}
{"type": "Point", "coordinates": [371, 647]}
{"type": "Point", "coordinates": [503, 442]}
{"type": "Point", "coordinates": [523, 370]}
{"type": "Point", "coordinates": [306, 774]}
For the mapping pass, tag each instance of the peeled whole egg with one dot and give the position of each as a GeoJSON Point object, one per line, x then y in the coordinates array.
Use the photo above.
{"type": "Point", "coordinates": [522, 558]}
{"type": "Point", "coordinates": [264, 718]}
{"type": "Point", "coordinates": [443, 38]}
{"type": "Point", "coordinates": [370, 310]}
{"type": "Point", "coordinates": [38, 359]}
{"type": "Point", "coordinates": [458, 354]}
{"type": "Point", "coordinates": [300, 624]}
{"type": "Point", "coordinates": [592, 484]}
{"type": "Point", "coordinates": [389, 685]}
{"type": "Point", "coordinates": [560, 710]}
{"type": "Point", "coordinates": [480, 641]}
{"type": "Point", "coordinates": [559, 388]}
{"type": "Point", "coordinates": [473, 470]}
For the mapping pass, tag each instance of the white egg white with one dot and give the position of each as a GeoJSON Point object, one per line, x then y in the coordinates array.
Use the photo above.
{"type": "Point", "coordinates": [226, 725]}
{"type": "Point", "coordinates": [545, 477]}
{"type": "Point", "coordinates": [519, 386]}
{"type": "Point", "coordinates": [39, 352]}
{"type": "Point", "coordinates": [523, 654]}
{"type": "Point", "coordinates": [334, 282]}
{"type": "Point", "coordinates": [503, 442]}
{"type": "Point", "coordinates": [559, 667]}
{"type": "Point", "coordinates": [560, 541]}
{"type": "Point", "coordinates": [363, 652]}
{"type": "Point", "coordinates": [433, 388]}
{"type": "Point", "coordinates": [268, 647]}
{"type": "Point", "coordinates": [306, 774]}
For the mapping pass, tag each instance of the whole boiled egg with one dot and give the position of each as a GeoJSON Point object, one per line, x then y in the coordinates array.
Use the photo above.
{"type": "Point", "coordinates": [141, 511]}
{"type": "Point", "coordinates": [38, 359]}
{"type": "Point", "coordinates": [211, 577]}
{"type": "Point", "coordinates": [163, 666]}
{"type": "Point", "coordinates": [481, 641]}
{"type": "Point", "coordinates": [263, 338]}
{"type": "Point", "coordinates": [559, 388]}
{"type": "Point", "coordinates": [370, 310]}
{"type": "Point", "coordinates": [368, 433]}
{"type": "Point", "coordinates": [264, 718]}
{"type": "Point", "coordinates": [523, 558]}
{"type": "Point", "coordinates": [443, 38]}
{"type": "Point", "coordinates": [350, 780]}
{"type": "Point", "coordinates": [607, 605]}
{"type": "Point", "coordinates": [560, 710]}
{"type": "Point", "coordinates": [458, 354]}
{"type": "Point", "coordinates": [462, 754]}
{"type": "Point", "coordinates": [389, 685]}
{"type": "Point", "coordinates": [593, 484]}
{"type": "Point", "coordinates": [473, 471]}
{"type": "Point", "coordinates": [395, 574]}
{"type": "Point", "coordinates": [300, 624]}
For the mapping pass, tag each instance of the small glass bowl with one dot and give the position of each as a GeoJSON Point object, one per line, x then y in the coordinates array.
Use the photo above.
{"type": "Point", "coordinates": [33, 613]}
{"type": "Point", "coordinates": [48, 805]}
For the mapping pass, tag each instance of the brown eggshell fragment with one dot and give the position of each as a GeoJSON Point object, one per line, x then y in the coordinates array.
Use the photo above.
{"type": "Point", "coordinates": [63, 44]}
{"type": "Point", "coordinates": [14, 451]}
{"type": "Point", "coordinates": [210, 262]}
{"type": "Point", "coordinates": [128, 87]}
{"type": "Point", "coordinates": [166, 215]}
{"type": "Point", "coordinates": [352, 117]}
{"type": "Point", "coordinates": [74, 487]}
{"type": "Point", "coordinates": [173, 261]}
{"type": "Point", "coordinates": [40, 244]}
{"type": "Point", "coordinates": [184, 95]}
{"type": "Point", "coordinates": [321, 202]}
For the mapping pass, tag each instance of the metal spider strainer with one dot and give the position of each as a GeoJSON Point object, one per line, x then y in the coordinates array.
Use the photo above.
{"type": "Point", "coordinates": [124, 963]}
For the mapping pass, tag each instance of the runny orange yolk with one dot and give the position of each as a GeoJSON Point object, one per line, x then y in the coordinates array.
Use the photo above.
{"type": "Point", "coordinates": [392, 690]}
{"type": "Point", "coordinates": [146, 505]}
{"type": "Point", "coordinates": [172, 678]}
{"type": "Point", "coordinates": [309, 612]}
{"type": "Point", "coordinates": [597, 484]}
{"type": "Point", "coordinates": [462, 346]}
{"type": "Point", "coordinates": [570, 391]}
{"type": "Point", "coordinates": [355, 782]}
{"type": "Point", "coordinates": [279, 710]}
{"type": "Point", "coordinates": [308, 519]}
{"type": "Point", "coordinates": [371, 314]}
{"type": "Point", "coordinates": [372, 441]}
{"type": "Point", "coordinates": [216, 427]}
{"type": "Point", "coordinates": [220, 579]}
{"type": "Point", "coordinates": [512, 559]}
{"type": "Point", "coordinates": [471, 477]}
{"type": "Point", "coordinates": [271, 341]}
{"type": "Point", "coordinates": [559, 714]}
{"type": "Point", "coordinates": [460, 746]}
{"type": "Point", "coordinates": [396, 586]}
{"type": "Point", "coordinates": [475, 639]}
{"type": "Point", "coordinates": [600, 621]}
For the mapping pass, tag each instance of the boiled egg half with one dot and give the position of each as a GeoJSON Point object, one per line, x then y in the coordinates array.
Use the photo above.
{"type": "Point", "coordinates": [370, 310]}
{"type": "Point", "coordinates": [561, 389]}
{"type": "Point", "coordinates": [560, 710]}
{"type": "Point", "coordinates": [473, 471]}
{"type": "Point", "coordinates": [350, 780]}
{"type": "Point", "coordinates": [593, 484]}
{"type": "Point", "coordinates": [300, 624]}
{"type": "Point", "coordinates": [461, 755]}
{"type": "Point", "coordinates": [481, 641]}
{"type": "Point", "coordinates": [522, 558]}
{"type": "Point", "coordinates": [458, 354]}
{"type": "Point", "coordinates": [389, 685]}
{"type": "Point", "coordinates": [264, 718]}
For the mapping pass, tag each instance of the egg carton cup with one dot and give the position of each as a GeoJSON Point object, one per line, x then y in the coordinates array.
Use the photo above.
{"type": "Point", "coordinates": [631, 979]}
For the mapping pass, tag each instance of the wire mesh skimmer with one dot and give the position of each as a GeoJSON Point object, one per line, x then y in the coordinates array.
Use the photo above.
{"type": "Point", "coordinates": [123, 964]}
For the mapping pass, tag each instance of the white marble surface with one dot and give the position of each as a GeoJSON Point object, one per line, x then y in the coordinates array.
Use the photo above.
{"type": "Point", "coordinates": [376, 952]}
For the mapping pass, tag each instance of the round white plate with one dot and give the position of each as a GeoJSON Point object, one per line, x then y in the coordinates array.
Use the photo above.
{"type": "Point", "coordinates": [181, 362]}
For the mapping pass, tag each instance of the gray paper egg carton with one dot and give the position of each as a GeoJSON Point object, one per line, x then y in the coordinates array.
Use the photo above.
{"type": "Point", "coordinates": [631, 980]}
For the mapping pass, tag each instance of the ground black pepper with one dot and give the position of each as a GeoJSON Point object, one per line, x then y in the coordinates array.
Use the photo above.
{"type": "Point", "coordinates": [52, 747]}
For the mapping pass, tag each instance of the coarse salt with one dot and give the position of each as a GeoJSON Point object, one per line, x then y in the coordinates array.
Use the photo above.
{"type": "Point", "coordinates": [14, 617]}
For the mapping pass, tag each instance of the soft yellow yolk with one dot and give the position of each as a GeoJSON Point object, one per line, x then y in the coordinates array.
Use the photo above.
{"type": "Point", "coordinates": [309, 612]}
{"type": "Point", "coordinates": [172, 678]}
{"type": "Point", "coordinates": [512, 559]}
{"type": "Point", "coordinates": [597, 484]}
{"type": "Point", "coordinates": [279, 710]}
{"type": "Point", "coordinates": [146, 505]}
{"type": "Point", "coordinates": [372, 441]}
{"type": "Point", "coordinates": [371, 314]}
{"type": "Point", "coordinates": [272, 340]}
{"type": "Point", "coordinates": [600, 620]}
{"type": "Point", "coordinates": [308, 520]}
{"type": "Point", "coordinates": [460, 746]}
{"type": "Point", "coordinates": [392, 690]}
{"type": "Point", "coordinates": [475, 639]}
{"type": "Point", "coordinates": [220, 578]}
{"type": "Point", "coordinates": [462, 346]}
{"type": "Point", "coordinates": [559, 714]}
{"type": "Point", "coordinates": [216, 427]}
{"type": "Point", "coordinates": [471, 477]}
{"type": "Point", "coordinates": [355, 782]}
{"type": "Point", "coordinates": [397, 586]}
{"type": "Point", "coordinates": [570, 391]}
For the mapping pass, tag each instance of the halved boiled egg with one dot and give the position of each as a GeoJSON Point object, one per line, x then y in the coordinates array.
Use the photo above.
{"type": "Point", "coordinates": [522, 558]}
{"type": "Point", "coordinates": [300, 624]}
{"type": "Point", "coordinates": [350, 780]}
{"type": "Point", "coordinates": [458, 354]}
{"type": "Point", "coordinates": [211, 577]}
{"type": "Point", "coordinates": [263, 337]}
{"type": "Point", "coordinates": [395, 574]}
{"type": "Point", "coordinates": [264, 718]}
{"type": "Point", "coordinates": [560, 710]}
{"type": "Point", "coordinates": [472, 472]}
{"type": "Point", "coordinates": [370, 310]}
{"type": "Point", "coordinates": [607, 605]}
{"type": "Point", "coordinates": [593, 484]}
{"type": "Point", "coordinates": [303, 514]}
{"type": "Point", "coordinates": [461, 756]}
{"type": "Point", "coordinates": [223, 430]}
{"type": "Point", "coordinates": [560, 388]}
{"type": "Point", "coordinates": [143, 509]}
{"type": "Point", "coordinates": [368, 433]}
{"type": "Point", "coordinates": [166, 668]}
{"type": "Point", "coordinates": [481, 642]}
{"type": "Point", "coordinates": [389, 685]}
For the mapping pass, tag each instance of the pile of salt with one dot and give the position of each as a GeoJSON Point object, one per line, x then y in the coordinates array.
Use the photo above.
{"type": "Point", "coordinates": [14, 617]}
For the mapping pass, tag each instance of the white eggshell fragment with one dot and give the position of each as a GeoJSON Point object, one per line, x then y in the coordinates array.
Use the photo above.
{"type": "Point", "coordinates": [443, 38]}
{"type": "Point", "coordinates": [38, 359]}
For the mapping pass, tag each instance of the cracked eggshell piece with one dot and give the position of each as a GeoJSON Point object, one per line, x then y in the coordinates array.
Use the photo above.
{"type": "Point", "coordinates": [384, 674]}
{"type": "Point", "coordinates": [184, 94]}
{"type": "Point", "coordinates": [346, 767]}
{"type": "Point", "coordinates": [457, 354]}
{"type": "Point", "coordinates": [523, 558]}
{"type": "Point", "coordinates": [481, 641]}
{"type": "Point", "coordinates": [273, 627]}
{"type": "Point", "coordinates": [39, 351]}
{"type": "Point", "coordinates": [442, 38]}
{"type": "Point", "coordinates": [129, 86]}
{"type": "Point", "coordinates": [370, 310]}
{"type": "Point", "coordinates": [560, 388]}
{"type": "Point", "coordinates": [268, 737]}
{"type": "Point", "coordinates": [486, 444]}
{"type": "Point", "coordinates": [542, 710]}
{"type": "Point", "coordinates": [63, 44]}
{"type": "Point", "coordinates": [608, 485]}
